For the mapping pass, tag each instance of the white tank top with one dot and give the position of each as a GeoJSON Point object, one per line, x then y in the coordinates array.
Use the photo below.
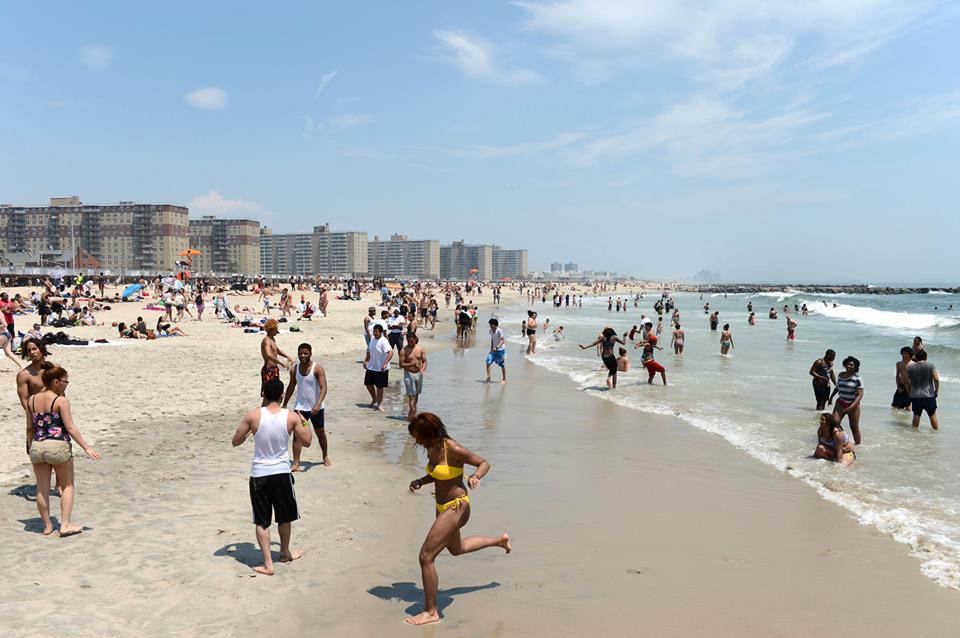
{"type": "Point", "coordinates": [271, 445]}
{"type": "Point", "coordinates": [308, 390]}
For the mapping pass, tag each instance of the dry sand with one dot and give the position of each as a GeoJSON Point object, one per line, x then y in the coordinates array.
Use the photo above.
{"type": "Point", "coordinates": [654, 530]}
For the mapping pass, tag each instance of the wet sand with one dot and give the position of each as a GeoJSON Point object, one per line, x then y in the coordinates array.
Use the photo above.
{"type": "Point", "coordinates": [622, 522]}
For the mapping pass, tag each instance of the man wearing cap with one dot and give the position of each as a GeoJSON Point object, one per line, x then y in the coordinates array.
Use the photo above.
{"type": "Point", "coordinates": [271, 354]}
{"type": "Point", "coordinates": [377, 363]}
{"type": "Point", "coordinates": [368, 322]}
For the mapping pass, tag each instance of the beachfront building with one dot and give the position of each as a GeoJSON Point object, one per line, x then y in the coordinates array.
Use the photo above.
{"type": "Point", "coordinates": [228, 246]}
{"type": "Point", "coordinates": [510, 263]}
{"type": "Point", "coordinates": [466, 261]}
{"type": "Point", "coordinates": [401, 258]}
{"type": "Point", "coordinates": [123, 238]}
{"type": "Point", "coordinates": [336, 254]}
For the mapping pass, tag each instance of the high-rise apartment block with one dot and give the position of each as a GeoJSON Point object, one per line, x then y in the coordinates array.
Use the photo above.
{"type": "Point", "coordinates": [510, 263]}
{"type": "Point", "coordinates": [228, 246]}
{"type": "Point", "coordinates": [402, 257]}
{"type": "Point", "coordinates": [570, 267]}
{"type": "Point", "coordinates": [338, 254]}
{"type": "Point", "coordinates": [121, 238]}
{"type": "Point", "coordinates": [465, 261]}
{"type": "Point", "coordinates": [556, 267]}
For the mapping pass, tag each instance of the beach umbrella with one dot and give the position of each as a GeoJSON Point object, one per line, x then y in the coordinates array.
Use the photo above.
{"type": "Point", "coordinates": [189, 252]}
{"type": "Point", "coordinates": [58, 273]}
{"type": "Point", "coordinates": [131, 289]}
{"type": "Point", "coordinates": [474, 271]}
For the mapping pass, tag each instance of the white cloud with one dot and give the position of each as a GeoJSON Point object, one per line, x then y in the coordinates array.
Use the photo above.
{"type": "Point", "coordinates": [96, 57]}
{"type": "Point", "coordinates": [723, 41]}
{"type": "Point", "coordinates": [213, 203]}
{"type": "Point", "coordinates": [557, 143]}
{"type": "Point", "coordinates": [476, 58]}
{"type": "Point", "coordinates": [349, 120]}
{"type": "Point", "coordinates": [210, 98]}
{"type": "Point", "coordinates": [325, 79]}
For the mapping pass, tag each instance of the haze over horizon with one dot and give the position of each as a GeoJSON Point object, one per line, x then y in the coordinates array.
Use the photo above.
{"type": "Point", "coordinates": [770, 141]}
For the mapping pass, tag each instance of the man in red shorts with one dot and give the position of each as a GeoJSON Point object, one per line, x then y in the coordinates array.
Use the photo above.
{"type": "Point", "coordinates": [271, 354]}
{"type": "Point", "coordinates": [649, 345]}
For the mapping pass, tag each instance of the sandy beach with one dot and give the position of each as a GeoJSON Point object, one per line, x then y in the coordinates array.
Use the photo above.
{"type": "Point", "coordinates": [623, 523]}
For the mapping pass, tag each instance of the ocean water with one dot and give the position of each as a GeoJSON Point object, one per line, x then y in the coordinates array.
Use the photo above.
{"type": "Point", "coordinates": [759, 398]}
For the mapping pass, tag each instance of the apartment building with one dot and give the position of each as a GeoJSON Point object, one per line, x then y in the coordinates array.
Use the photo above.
{"type": "Point", "coordinates": [121, 238]}
{"type": "Point", "coordinates": [401, 257]}
{"type": "Point", "coordinates": [228, 246]}
{"type": "Point", "coordinates": [510, 263]}
{"type": "Point", "coordinates": [338, 254]}
{"type": "Point", "coordinates": [466, 261]}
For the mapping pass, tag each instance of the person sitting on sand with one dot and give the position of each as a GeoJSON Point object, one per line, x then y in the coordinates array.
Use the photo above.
{"type": "Point", "coordinates": [833, 443]}
{"type": "Point", "coordinates": [445, 468]}
{"type": "Point", "coordinates": [166, 330]}
{"type": "Point", "coordinates": [271, 483]}
{"type": "Point", "coordinates": [50, 430]}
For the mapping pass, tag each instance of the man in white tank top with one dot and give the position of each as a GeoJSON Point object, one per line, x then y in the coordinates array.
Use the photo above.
{"type": "Point", "coordinates": [271, 483]}
{"type": "Point", "coordinates": [309, 379]}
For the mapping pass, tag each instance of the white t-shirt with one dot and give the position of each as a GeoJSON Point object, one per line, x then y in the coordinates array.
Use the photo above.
{"type": "Point", "coordinates": [396, 324]}
{"type": "Point", "coordinates": [495, 338]}
{"type": "Point", "coordinates": [379, 349]}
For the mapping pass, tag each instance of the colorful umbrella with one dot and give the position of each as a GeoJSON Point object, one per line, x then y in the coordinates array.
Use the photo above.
{"type": "Point", "coordinates": [189, 252]}
{"type": "Point", "coordinates": [131, 289]}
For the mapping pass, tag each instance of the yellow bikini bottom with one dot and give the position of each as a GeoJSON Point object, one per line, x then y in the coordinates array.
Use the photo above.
{"type": "Point", "coordinates": [454, 504]}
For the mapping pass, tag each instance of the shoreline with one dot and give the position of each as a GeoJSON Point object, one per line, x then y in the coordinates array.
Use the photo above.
{"type": "Point", "coordinates": [641, 519]}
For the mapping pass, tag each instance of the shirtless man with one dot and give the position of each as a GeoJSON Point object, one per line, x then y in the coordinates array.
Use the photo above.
{"type": "Point", "coordinates": [413, 360]}
{"type": "Point", "coordinates": [368, 324]}
{"type": "Point", "coordinates": [29, 381]}
{"type": "Point", "coordinates": [271, 354]}
{"type": "Point", "coordinates": [324, 301]}
{"type": "Point", "coordinates": [309, 380]}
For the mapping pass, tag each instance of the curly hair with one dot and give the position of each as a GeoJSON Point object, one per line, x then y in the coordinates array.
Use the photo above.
{"type": "Point", "coordinates": [427, 429]}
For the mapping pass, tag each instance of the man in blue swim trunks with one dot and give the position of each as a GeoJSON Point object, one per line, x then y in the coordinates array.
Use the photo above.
{"type": "Point", "coordinates": [498, 349]}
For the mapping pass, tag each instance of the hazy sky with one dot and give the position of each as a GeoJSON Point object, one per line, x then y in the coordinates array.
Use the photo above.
{"type": "Point", "coordinates": [773, 140]}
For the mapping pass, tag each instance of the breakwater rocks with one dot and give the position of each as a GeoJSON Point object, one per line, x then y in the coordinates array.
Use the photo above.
{"type": "Point", "coordinates": [814, 289]}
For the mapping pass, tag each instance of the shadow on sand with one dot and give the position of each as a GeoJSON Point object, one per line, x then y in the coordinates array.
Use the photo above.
{"type": "Point", "coordinates": [410, 593]}
{"type": "Point", "coordinates": [247, 553]}
{"type": "Point", "coordinates": [29, 492]}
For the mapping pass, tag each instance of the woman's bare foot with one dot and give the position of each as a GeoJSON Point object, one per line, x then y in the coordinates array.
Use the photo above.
{"type": "Point", "coordinates": [69, 530]}
{"type": "Point", "coordinates": [48, 529]}
{"type": "Point", "coordinates": [505, 543]}
{"type": "Point", "coordinates": [292, 556]}
{"type": "Point", "coordinates": [263, 569]}
{"type": "Point", "coordinates": [423, 618]}
{"type": "Point", "coordinates": [326, 461]}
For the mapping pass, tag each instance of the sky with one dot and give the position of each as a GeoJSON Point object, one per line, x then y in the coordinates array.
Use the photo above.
{"type": "Point", "coordinates": [766, 140]}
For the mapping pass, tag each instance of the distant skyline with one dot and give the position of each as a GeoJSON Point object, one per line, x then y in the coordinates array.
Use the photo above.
{"type": "Point", "coordinates": [767, 140]}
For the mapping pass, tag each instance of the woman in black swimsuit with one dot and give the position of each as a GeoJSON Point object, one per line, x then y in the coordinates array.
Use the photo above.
{"type": "Point", "coordinates": [531, 332]}
{"type": "Point", "coordinates": [608, 340]}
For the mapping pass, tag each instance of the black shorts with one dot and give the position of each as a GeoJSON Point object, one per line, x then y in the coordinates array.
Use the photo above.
{"type": "Point", "coordinates": [924, 403]}
{"type": "Point", "coordinates": [396, 340]}
{"type": "Point", "coordinates": [821, 390]}
{"type": "Point", "coordinates": [273, 495]}
{"type": "Point", "coordinates": [611, 362]}
{"type": "Point", "coordinates": [376, 378]}
{"type": "Point", "coordinates": [316, 420]}
{"type": "Point", "coordinates": [901, 398]}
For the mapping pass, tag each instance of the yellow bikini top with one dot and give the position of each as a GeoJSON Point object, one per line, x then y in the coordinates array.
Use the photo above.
{"type": "Point", "coordinates": [444, 472]}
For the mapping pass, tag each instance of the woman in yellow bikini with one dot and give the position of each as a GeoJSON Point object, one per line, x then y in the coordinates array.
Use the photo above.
{"type": "Point", "coordinates": [446, 459]}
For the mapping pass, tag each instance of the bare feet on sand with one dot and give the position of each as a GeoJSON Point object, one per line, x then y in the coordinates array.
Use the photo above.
{"type": "Point", "coordinates": [48, 529]}
{"type": "Point", "coordinates": [263, 569]}
{"type": "Point", "coordinates": [423, 618]}
{"type": "Point", "coordinates": [326, 461]}
{"type": "Point", "coordinates": [69, 530]}
{"type": "Point", "coordinates": [296, 468]}
{"type": "Point", "coordinates": [292, 556]}
{"type": "Point", "coordinates": [505, 543]}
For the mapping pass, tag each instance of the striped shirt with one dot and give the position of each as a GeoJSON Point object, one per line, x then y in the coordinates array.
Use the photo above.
{"type": "Point", "coordinates": [847, 388]}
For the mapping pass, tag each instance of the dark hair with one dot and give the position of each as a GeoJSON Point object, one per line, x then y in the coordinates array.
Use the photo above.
{"type": "Point", "coordinates": [608, 332]}
{"type": "Point", "coordinates": [305, 346]}
{"type": "Point", "coordinates": [529, 313]}
{"type": "Point", "coordinates": [377, 326]}
{"type": "Point", "coordinates": [40, 345]}
{"type": "Point", "coordinates": [494, 322]}
{"type": "Point", "coordinates": [413, 335]}
{"type": "Point", "coordinates": [854, 361]}
{"type": "Point", "coordinates": [918, 338]}
{"type": "Point", "coordinates": [51, 374]}
{"type": "Point", "coordinates": [273, 390]}
{"type": "Point", "coordinates": [921, 355]}
{"type": "Point", "coordinates": [623, 351]}
{"type": "Point", "coordinates": [428, 427]}
{"type": "Point", "coordinates": [906, 350]}
{"type": "Point", "coordinates": [830, 355]}
{"type": "Point", "coordinates": [726, 326]}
